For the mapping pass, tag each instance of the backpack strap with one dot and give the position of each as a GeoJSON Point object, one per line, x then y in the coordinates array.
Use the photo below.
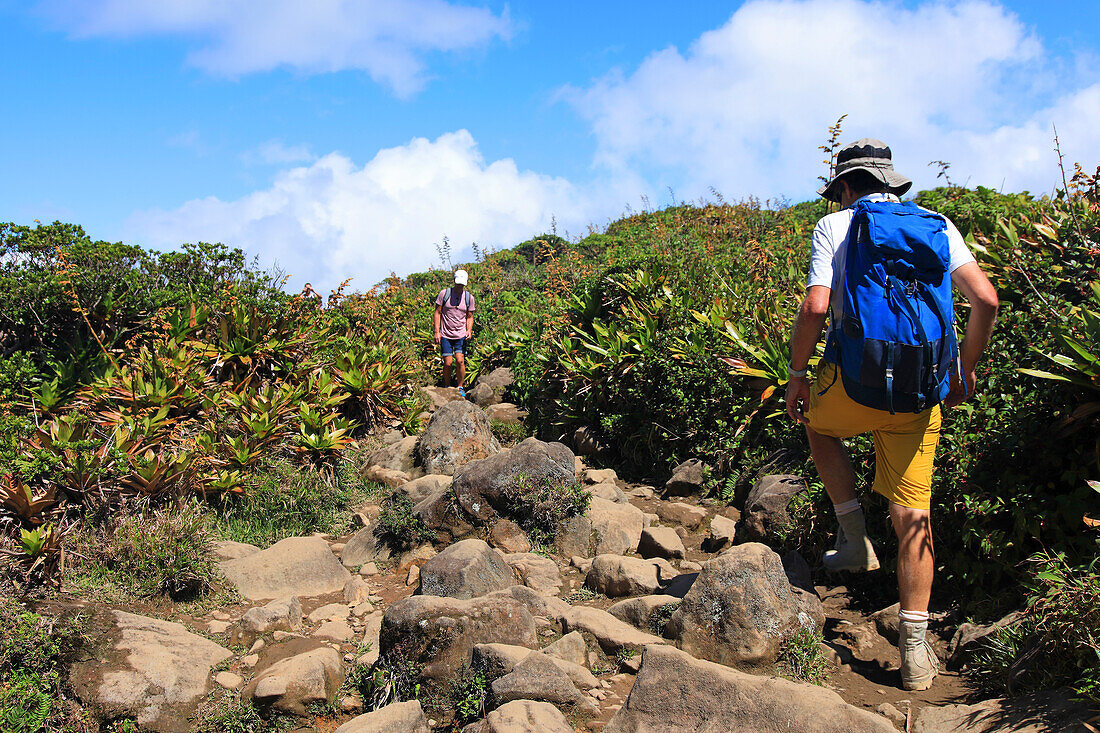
{"type": "Point", "coordinates": [468, 299]}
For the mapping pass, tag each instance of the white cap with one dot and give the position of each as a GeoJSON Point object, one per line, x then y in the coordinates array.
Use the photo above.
{"type": "Point", "coordinates": [461, 277]}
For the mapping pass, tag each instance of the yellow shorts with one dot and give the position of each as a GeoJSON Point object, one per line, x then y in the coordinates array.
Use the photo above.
{"type": "Point", "coordinates": [905, 443]}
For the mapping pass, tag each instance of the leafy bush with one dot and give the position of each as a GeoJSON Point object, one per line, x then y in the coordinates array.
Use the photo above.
{"type": "Point", "coordinates": [468, 692]}
{"type": "Point", "coordinates": [661, 616]}
{"type": "Point", "coordinates": [32, 654]}
{"type": "Point", "coordinates": [228, 713]}
{"type": "Point", "coordinates": [508, 433]}
{"type": "Point", "coordinates": [398, 526]}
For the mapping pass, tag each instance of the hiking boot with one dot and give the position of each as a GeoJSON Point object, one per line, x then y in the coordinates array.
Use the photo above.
{"type": "Point", "coordinates": [853, 550]}
{"type": "Point", "coordinates": [918, 661]}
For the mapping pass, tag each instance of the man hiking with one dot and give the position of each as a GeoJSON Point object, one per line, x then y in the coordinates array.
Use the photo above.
{"type": "Point", "coordinates": [885, 271]}
{"type": "Point", "coordinates": [454, 324]}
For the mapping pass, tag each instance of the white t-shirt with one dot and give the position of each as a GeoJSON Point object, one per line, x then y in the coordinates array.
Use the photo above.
{"type": "Point", "coordinates": [829, 246]}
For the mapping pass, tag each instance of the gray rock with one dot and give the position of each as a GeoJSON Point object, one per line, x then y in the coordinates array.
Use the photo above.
{"type": "Point", "coordinates": [385, 476]}
{"type": "Point", "coordinates": [575, 538]}
{"type": "Point", "coordinates": [291, 685]}
{"type": "Point", "coordinates": [600, 476]}
{"type": "Point", "coordinates": [723, 532]}
{"type": "Point", "coordinates": [337, 631]}
{"type": "Point", "coordinates": [506, 413]}
{"type": "Point", "coordinates": [227, 550]}
{"type": "Point", "coordinates": [526, 716]}
{"type": "Point", "coordinates": [364, 547]}
{"type": "Point", "coordinates": [439, 396]}
{"type": "Point", "coordinates": [329, 612]}
{"type": "Point", "coordinates": [638, 612]}
{"type": "Point", "coordinates": [810, 610]}
{"type": "Point", "coordinates": [439, 633]}
{"type": "Point", "coordinates": [509, 536]}
{"type": "Point", "coordinates": [886, 622]}
{"type": "Point", "coordinates": [499, 659]}
{"type": "Point", "coordinates": [299, 566]}
{"type": "Point", "coordinates": [490, 388]}
{"type": "Point", "coordinates": [397, 717]}
{"type": "Point", "coordinates": [538, 677]}
{"type": "Point", "coordinates": [617, 575]}
{"type": "Point", "coordinates": [457, 434]}
{"type": "Point", "coordinates": [283, 614]}
{"type": "Point", "coordinates": [675, 692]}
{"type": "Point", "coordinates": [539, 573]}
{"type": "Point", "coordinates": [661, 542]}
{"type": "Point", "coordinates": [686, 515]}
{"type": "Point", "coordinates": [356, 591]}
{"type": "Point", "coordinates": [570, 648]}
{"type": "Point", "coordinates": [968, 639]}
{"type": "Point", "coordinates": [616, 528]}
{"type": "Point", "coordinates": [154, 671]}
{"type": "Point", "coordinates": [465, 570]}
{"type": "Point", "coordinates": [485, 488]}
{"type": "Point", "coordinates": [610, 633]}
{"type": "Point", "coordinates": [687, 479]}
{"type": "Point", "coordinates": [739, 609]}
{"type": "Point", "coordinates": [399, 456]}
{"type": "Point", "coordinates": [609, 492]}
{"type": "Point", "coordinates": [421, 488]}
{"type": "Point", "coordinates": [766, 506]}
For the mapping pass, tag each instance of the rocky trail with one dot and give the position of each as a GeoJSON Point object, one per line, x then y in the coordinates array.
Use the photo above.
{"type": "Point", "coordinates": [652, 611]}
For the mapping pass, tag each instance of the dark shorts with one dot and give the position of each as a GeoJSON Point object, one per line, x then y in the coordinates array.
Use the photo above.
{"type": "Point", "coordinates": [450, 347]}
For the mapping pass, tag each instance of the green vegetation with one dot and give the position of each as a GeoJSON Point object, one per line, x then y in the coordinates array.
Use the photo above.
{"type": "Point", "coordinates": [661, 616]}
{"type": "Point", "coordinates": [541, 504]}
{"type": "Point", "coordinates": [399, 527]}
{"type": "Point", "coordinates": [468, 692]}
{"type": "Point", "coordinates": [800, 657]}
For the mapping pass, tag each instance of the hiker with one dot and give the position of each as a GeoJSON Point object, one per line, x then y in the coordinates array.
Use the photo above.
{"type": "Point", "coordinates": [879, 265]}
{"type": "Point", "coordinates": [454, 325]}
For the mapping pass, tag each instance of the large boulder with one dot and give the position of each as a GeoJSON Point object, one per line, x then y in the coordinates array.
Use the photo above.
{"type": "Point", "coordinates": [439, 396]}
{"type": "Point", "coordinates": [499, 659]}
{"type": "Point", "coordinates": [639, 612]}
{"type": "Point", "coordinates": [486, 489]}
{"type": "Point", "coordinates": [661, 542]}
{"type": "Point", "coordinates": [465, 570]}
{"type": "Point", "coordinates": [618, 575]}
{"type": "Point", "coordinates": [571, 648]}
{"type": "Point", "coordinates": [397, 717]}
{"type": "Point", "coordinates": [458, 433]}
{"type": "Point", "coordinates": [296, 566]}
{"type": "Point", "coordinates": [616, 528]}
{"type": "Point", "coordinates": [539, 573]}
{"type": "Point", "coordinates": [421, 488]}
{"type": "Point", "coordinates": [538, 677]}
{"type": "Point", "coordinates": [676, 692]}
{"type": "Point", "coordinates": [490, 388]}
{"type": "Point", "coordinates": [292, 684]}
{"type": "Point", "coordinates": [155, 672]}
{"type": "Point", "coordinates": [722, 533]}
{"type": "Point", "coordinates": [523, 716]}
{"type": "Point", "coordinates": [439, 633]}
{"type": "Point", "coordinates": [1042, 712]}
{"type": "Point", "coordinates": [766, 506]}
{"type": "Point", "coordinates": [687, 479]}
{"type": "Point", "coordinates": [611, 634]}
{"type": "Point", "coordinates": [399, 456]}
{"type": "Point", "coordinates": [686, 515]}
{"type": "Point", "coordinates": [363, 547]}
{"type": "Point", "coordinates": [282, 614]}
{"type": "Point", "coordinates": [739, 610]}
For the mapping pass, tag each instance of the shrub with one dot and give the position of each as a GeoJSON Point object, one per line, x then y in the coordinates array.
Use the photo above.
{"type": "Point", "coordinates": [468, 692]}
{"type": "Point", "coordinates": [399, 527]}
{"type": "Point", "coordinates": [228, 713]}
{"type": "Point", "coordinates": [166, 552]}
{"type": "Point", "coordinates": [661, 616]}
{"type": "Point", "coordinates": [508, 433]}
{"type": "Point", "coordinates": [800, 657]}
{"type": "Point", "coordinates": [540, 504]}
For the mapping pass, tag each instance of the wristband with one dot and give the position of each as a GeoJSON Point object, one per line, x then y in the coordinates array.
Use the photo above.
{"type": "Point", "coordinates": [792, 373]}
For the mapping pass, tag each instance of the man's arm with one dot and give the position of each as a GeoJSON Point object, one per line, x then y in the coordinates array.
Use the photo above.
{"type": "Point", "coordinates": [469, 324]}
{"type": "Point", "coordinates": [804, 338]}
{"type": "Point", "coordinates": [981, 295]}
{"type": "Point", "coordinates": [435, 321]}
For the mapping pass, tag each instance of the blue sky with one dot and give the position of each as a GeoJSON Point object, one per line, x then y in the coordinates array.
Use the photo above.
{"type": "Point", "coordinates": [343, 138]}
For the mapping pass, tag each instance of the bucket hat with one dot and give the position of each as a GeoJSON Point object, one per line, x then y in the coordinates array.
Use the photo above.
{"type": "Point", "coordinates": [871, 155]}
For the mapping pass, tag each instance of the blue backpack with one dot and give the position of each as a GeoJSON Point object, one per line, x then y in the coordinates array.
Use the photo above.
{"type": "Point", "coordinates": [895, 347]}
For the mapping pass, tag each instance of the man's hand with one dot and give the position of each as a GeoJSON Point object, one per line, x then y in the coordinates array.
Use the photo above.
{"type": "Point", "coordinates": [798, 397]}
{"type": "Point", "coordinates": [958, 395]}
{"type": "Point", "coordinates": [438, 338]}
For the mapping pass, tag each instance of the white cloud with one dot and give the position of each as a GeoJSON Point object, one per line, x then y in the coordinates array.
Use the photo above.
{"type": "Point", "coordinates": [331, 220]}
{"type": "Point", "coordinates": [385, 38]}
{"type": "Point", "coordinates": [745, 107]}
{"type": "Point", "coordinates": [276, 152]}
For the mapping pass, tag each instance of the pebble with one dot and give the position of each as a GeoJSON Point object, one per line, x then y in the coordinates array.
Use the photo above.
{"type": "Point", "coordinates": [281, 635]}
{"type": "Point", "coordinates": [229, 681]}
{"type": "Point", "coordinates": [414, 575]}
{"type": "Point", "coordinates": [218, 627]}
{"type": "Point", "coordinates": [368, 570]}
{"type": "Point", "coordinates": [891, 713]}
{"type": "Point", "coordinates": [257, 646]}
{"type": "Point", "coordinates": [351, 704]}
{"type": "Point", "coordinates": [336, 547]}
{"type": "Point", "coordinates": [221, 616]}
{"type": "Point", "coordinates": [250, 661]}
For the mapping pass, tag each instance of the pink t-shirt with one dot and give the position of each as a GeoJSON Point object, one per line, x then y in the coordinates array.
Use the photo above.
{"type": "Point", "coordinates": [452, 317]}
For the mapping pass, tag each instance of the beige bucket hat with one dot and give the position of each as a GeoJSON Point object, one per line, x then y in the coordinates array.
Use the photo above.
{"type": "Point", "coordinates": [871, 155]}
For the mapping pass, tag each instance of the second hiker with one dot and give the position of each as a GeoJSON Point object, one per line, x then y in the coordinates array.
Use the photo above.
{"type": "Point", "coordinates": [454, 325]}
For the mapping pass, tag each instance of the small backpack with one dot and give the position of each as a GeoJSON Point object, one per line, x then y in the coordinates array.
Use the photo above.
{"type": "Point", "coordinates": [467, 299]}
{"type": "Point", "coordinates": [895, 347]}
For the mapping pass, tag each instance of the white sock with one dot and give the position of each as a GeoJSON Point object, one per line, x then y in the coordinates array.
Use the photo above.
{"type": "Point", "coordinates": [846, 507]}
{"type": "Point", "coordinates": [913, 617]}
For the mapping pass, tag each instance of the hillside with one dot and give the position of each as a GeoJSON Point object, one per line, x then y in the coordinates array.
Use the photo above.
{"type": "Point", "coordinates": [160, 408]}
